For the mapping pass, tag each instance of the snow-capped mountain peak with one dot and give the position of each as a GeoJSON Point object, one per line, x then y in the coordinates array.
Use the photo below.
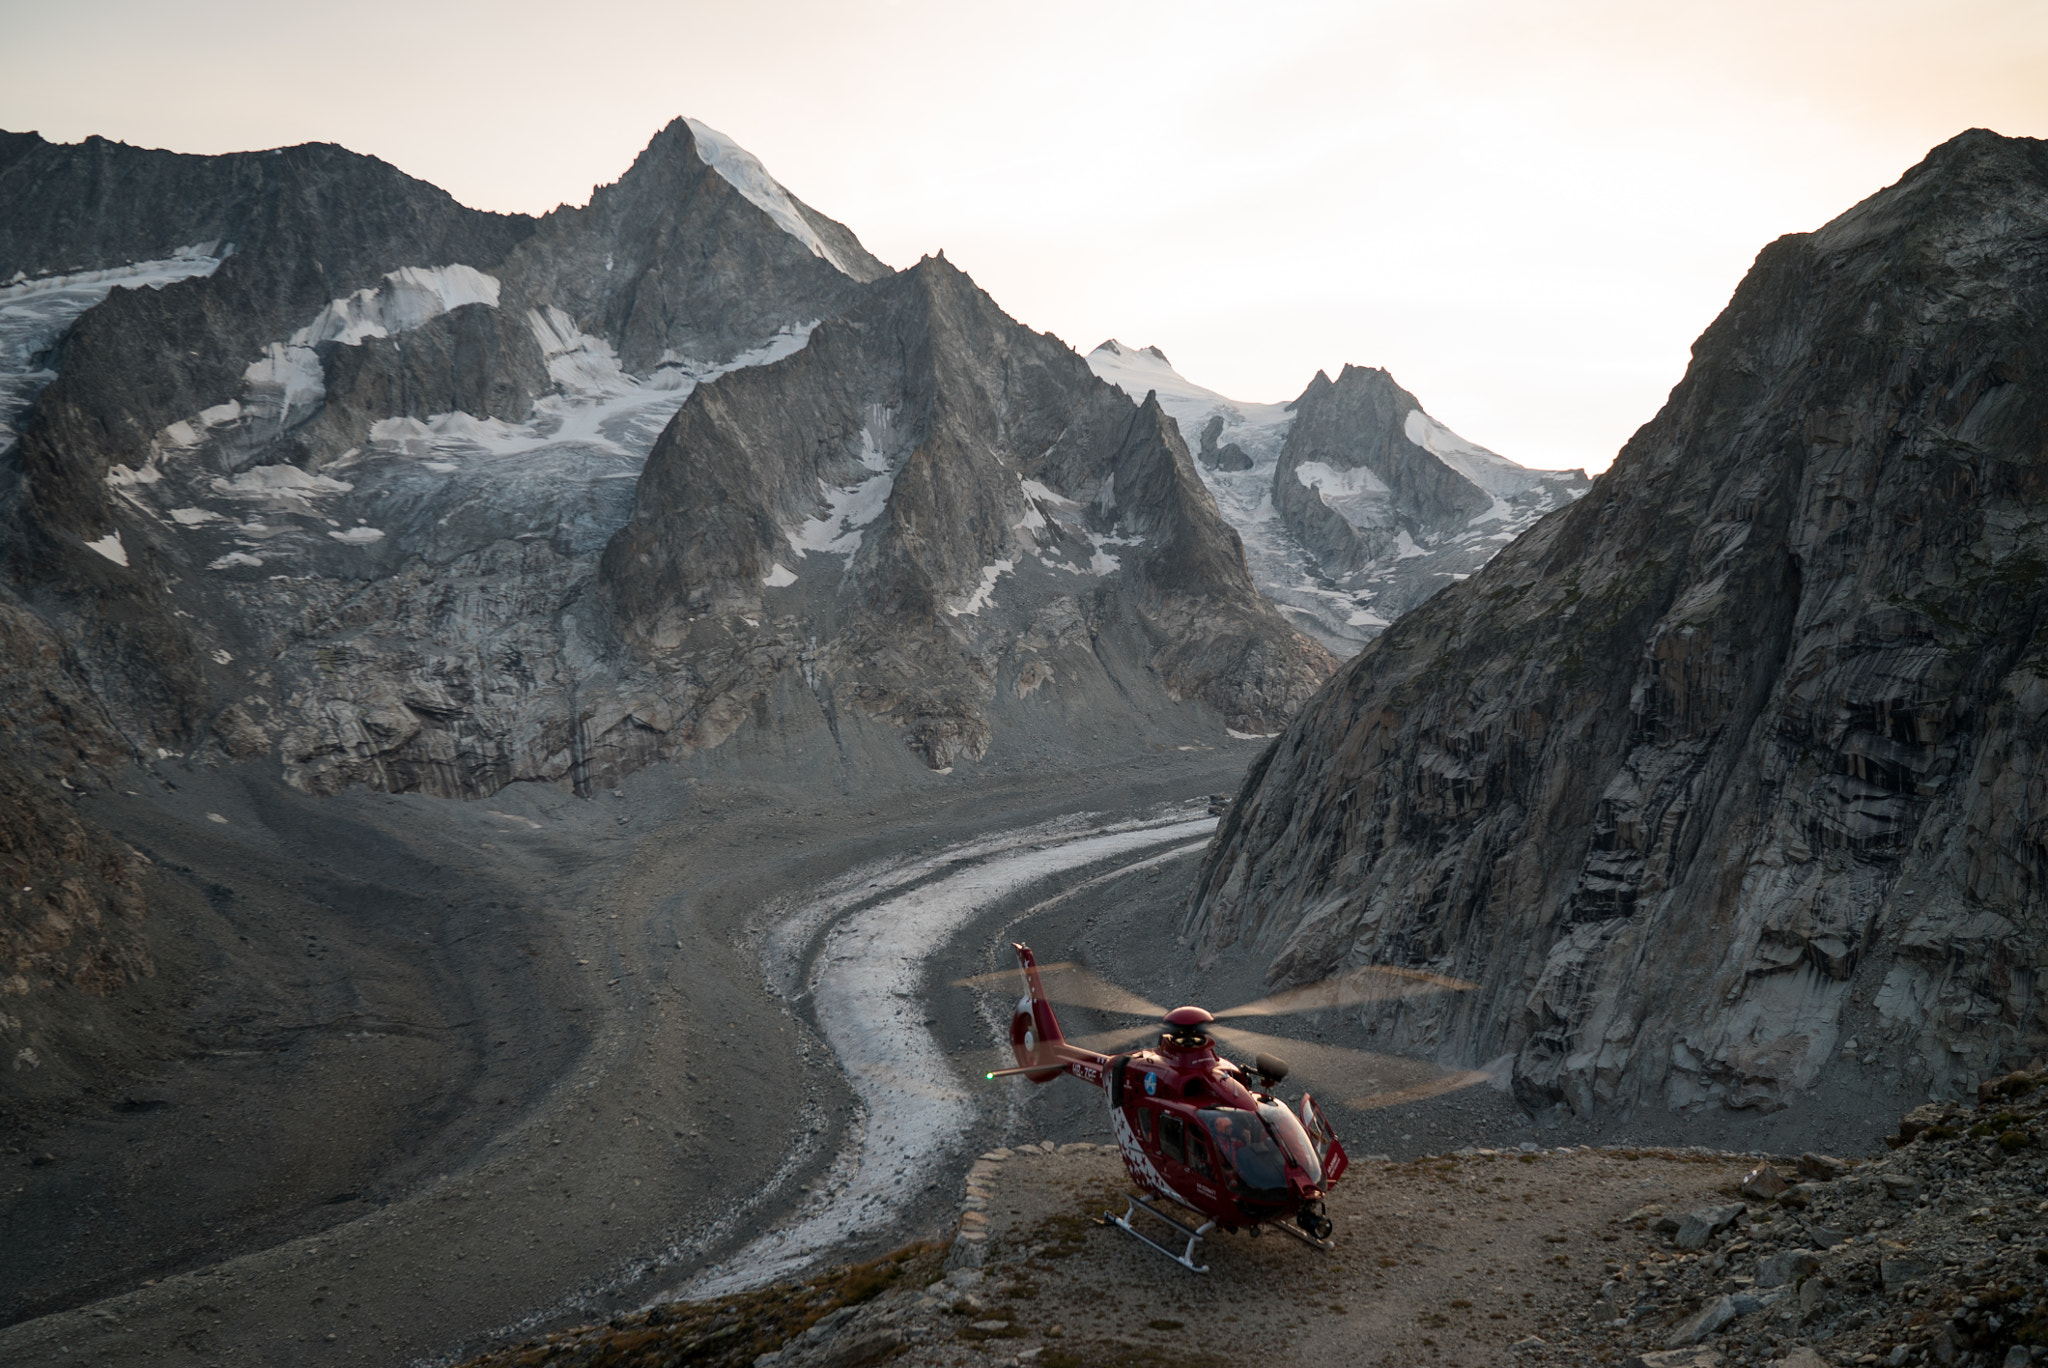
{"type": "Point", "coordinates": [746, 174]}
{"type": "Point", "coordinates": [1138, 371]}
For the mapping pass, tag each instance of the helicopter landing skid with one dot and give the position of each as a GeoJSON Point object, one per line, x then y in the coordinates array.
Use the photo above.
{"type": "Point", "coordinates": [1186, 1258]}
{"type": "Point", "coordinates": [1302, 1235]}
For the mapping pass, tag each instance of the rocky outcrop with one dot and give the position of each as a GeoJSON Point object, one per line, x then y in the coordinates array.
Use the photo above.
{"type": "Point", "coordinates": [1228, 456]}
{"type": "Point", "coordinates": [72, 911]}
{"type": "Point", "coordinates": [1725, 777]}
{"type": "Point", "coordinates": [1928, 1255]}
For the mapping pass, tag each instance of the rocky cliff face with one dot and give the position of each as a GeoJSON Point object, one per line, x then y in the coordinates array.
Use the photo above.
{"type": "Point", "coordinates": [71, 913]}
{"type": "Point", "coordinates": [1726, 777]}
{"type": "Point", "coordinates": [1354, 504]}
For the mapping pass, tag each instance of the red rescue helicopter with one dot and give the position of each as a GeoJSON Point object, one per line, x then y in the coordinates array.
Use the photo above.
{"type": "Point", "coordinates": [1197, 1130]}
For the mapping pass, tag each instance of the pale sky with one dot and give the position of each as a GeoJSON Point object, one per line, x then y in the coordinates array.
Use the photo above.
{"type": "Point", "coordinates": [1525, 211]}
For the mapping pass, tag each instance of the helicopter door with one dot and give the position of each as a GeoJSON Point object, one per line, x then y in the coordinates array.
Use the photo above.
{"type": "Point", "coordinates": [1327, 1147]}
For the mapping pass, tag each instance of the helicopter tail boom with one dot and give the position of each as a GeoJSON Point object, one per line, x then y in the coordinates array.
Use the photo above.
{"type": "Point", "coordinates": [1042, 1051]}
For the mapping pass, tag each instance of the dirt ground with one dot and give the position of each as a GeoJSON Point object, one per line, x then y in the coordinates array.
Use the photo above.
{"type": "Point", "coordinates": [1442, 1260]}
{"type": "Point", "coordinates": [1457, 1260]}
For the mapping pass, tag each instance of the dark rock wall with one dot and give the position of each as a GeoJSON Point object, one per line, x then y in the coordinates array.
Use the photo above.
{"type": "Point", "coordinates": [71, 900]}
{"type": "Point", "coordinates": [1737, 760]}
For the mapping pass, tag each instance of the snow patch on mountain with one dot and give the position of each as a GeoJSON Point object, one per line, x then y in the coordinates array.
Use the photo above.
{"type": "Point", "coordinates": [110, 547]}
{"type": "Point", "coordinates": [983, 594]}
{"type": "Point", "coordinates": [269, 482]}
{"type": "Point", "coordinates": [1339, 484]}
{"type": "Point", "coordinates": [408, 298]}
{"type": "Point", "coordinates": [1495, 474]}
{"type": "Point", "coordinates": [851, 507]}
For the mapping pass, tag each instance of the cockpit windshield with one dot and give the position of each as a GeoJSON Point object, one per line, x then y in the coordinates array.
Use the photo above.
{"type": "Point", "coordinates": [1258, 1153]}
{"type": "Point", "coordinates": [1288, 1130]}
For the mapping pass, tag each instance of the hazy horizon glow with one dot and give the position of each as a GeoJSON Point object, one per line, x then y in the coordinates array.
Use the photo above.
{"type": "Point", "coordinates": [1526, 212]}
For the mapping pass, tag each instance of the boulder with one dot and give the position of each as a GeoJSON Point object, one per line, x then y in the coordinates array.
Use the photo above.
{"type": "Point", "coordinates": [1901, 1269]}
{"type": "Point", "coordinates": [1786, 1266]}
{"type": "Point", "coordinates": [2012, 1085]}
{"type": "Point", "coordinates": [1702, 1225]}
{"type": "Point", "coordinates": [1710, 1319]}
{"type": "Point", "coordinates": [1820, 1168]}
{"type": "Point", "coordinates": [1763, 1183]}
{"type": "Point", "coordinates": [1699, 1356]}
{"type": "Point", "coordinates": [860, 1351]}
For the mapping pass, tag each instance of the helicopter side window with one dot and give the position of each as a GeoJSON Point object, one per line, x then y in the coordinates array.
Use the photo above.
{"type": "Point", "coordinates": [1198, 1155]}
{"type": "Point", "coordinates": [1170, 1139]}
{"type": "Point", "coordinates": [1145, 1122]}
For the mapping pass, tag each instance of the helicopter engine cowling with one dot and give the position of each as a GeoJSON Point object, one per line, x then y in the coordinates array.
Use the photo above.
{"type": "Point", "coordinates": [1028, 1044]}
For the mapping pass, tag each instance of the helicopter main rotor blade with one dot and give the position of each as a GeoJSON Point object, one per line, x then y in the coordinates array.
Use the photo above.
{"type": "Point", "coordinates": [1070, 985]}
{"type": "Point", "coordinates": [1338, 1070]}
{"type": "Point", "coordinates": [1451, 1082]}
{"type": "Point", "coordinates": [1373, 983]}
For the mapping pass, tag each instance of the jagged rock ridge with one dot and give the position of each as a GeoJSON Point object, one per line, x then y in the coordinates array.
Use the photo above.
{"type": "Point", "coordinates": [1354, 504]}
{"type": "Point", "coordinates": [356, 524]}
{"type": "Point", "coordinates": [973, 510]}
{"type": "Point", "coordinates": [1727, 778]}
